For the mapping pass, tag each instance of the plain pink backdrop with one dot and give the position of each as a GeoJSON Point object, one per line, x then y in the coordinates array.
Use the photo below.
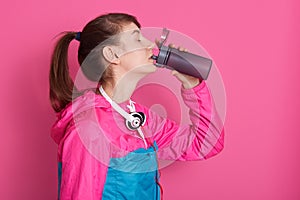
{"type": "Point", "coordinates": [255, 44]}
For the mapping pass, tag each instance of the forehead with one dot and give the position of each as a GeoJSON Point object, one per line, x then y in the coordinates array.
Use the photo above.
{"type": "Point", "coordinates": [129, 27]}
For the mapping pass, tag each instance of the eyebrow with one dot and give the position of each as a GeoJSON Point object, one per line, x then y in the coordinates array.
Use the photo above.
{"type": "Point", "coordinates": [135, 31]}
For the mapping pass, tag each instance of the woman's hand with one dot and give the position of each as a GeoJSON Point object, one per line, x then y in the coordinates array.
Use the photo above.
{"type": "Point", "coordinates": [186, 80]}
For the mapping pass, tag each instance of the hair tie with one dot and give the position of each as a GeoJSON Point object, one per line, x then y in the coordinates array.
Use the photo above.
{"type": "Point", "coordinates": [77, 37]}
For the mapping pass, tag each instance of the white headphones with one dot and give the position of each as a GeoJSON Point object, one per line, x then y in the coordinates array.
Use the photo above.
{"type": "Point", "coordinates": [139, 120]}
{"type": "Point", "coordinates": [134, 120]}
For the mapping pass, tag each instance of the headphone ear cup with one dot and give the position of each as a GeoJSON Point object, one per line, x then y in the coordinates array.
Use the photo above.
{"type": "Point", "coordinates": [138, 120]}
{"type": "Point", "coordinates": [129, 125]}
{"type": "Point", "coordinates": [143, 118]}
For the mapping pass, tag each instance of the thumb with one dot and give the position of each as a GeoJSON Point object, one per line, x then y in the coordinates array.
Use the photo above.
{"type": "Point", "coordinates": [173, 72]}
{"type": "Point", "coordinates": [178, 75]}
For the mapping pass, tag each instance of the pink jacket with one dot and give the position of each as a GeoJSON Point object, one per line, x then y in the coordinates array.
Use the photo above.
{"type": "Point", "coordinates": [89, 134]}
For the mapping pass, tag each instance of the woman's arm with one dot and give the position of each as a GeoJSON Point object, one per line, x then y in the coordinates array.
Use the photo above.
{"type": "Point", "coordinates": [202, 139]}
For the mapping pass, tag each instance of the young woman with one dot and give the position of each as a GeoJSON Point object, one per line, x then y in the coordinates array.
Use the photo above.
{"type": "Point", "coordinates": [108, 145]}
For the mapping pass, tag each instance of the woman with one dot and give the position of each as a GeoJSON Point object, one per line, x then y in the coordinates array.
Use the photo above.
{"type": "Point", "coordinates": [100, 156]}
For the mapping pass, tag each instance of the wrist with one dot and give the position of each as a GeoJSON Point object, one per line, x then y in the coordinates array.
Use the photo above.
{"type": "Point", "coordinates": [191, 84]}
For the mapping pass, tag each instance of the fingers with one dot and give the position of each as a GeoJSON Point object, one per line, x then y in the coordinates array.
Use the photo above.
{"type": "Point", "coordinates": [182, 49]}
{"type": "Point", "coordinates": [186, 80]}
{"type": "Point", "coordinates": [181, 77]}
{"type": "Point", "coordinates": [171, 45]}
{"type": "Point", "coordinates": [174, 73]}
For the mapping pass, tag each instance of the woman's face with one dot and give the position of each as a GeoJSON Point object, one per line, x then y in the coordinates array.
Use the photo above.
{"type": "Point", "coordinates": [135, 51]}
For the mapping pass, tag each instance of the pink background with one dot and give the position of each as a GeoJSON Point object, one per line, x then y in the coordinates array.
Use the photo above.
{"type": "Point", "coordinates": [254, 43]}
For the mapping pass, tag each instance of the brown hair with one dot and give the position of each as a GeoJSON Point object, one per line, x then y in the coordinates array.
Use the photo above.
{"type": "Point", "coordinates": [62, 88]}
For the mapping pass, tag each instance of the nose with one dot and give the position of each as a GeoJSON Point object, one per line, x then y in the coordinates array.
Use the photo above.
{"type": "Point", "coordinates": [149, 44]}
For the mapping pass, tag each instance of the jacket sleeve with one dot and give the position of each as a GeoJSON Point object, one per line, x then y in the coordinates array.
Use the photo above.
{"type": "Point", "coordinates": [83, 175]}
{"type": "Point", "coordinates": [201, 139]}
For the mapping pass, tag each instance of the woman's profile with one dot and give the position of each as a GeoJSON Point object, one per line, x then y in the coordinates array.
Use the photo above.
{"type": "Point", "coordinates": [109, 147]}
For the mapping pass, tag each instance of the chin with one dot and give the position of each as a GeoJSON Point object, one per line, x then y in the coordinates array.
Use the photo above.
{"type": "Point", "coordinates": [151, 68]}
{"type": "Point", "coordinates": [147, 68]}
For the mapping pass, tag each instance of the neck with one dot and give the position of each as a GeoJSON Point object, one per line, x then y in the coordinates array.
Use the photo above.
{"type": "Point", "coordinates": [120, 90]}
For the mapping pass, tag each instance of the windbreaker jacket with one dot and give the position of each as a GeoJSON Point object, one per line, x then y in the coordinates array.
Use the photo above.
{"type": "Point", "coordinates": [99, 158]}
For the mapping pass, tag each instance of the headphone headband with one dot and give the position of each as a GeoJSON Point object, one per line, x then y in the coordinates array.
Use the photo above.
{"type": "Point", "coordinates": [115, 106]}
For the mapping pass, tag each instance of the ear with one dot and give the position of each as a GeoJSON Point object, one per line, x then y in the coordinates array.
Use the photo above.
{"type": "Point", "coordinates": [110, 55]}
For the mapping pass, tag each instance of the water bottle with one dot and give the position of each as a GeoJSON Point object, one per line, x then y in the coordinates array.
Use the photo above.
{"type": "Point", "coordinates": [183, 62]}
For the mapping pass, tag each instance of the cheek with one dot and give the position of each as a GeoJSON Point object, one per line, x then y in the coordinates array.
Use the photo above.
{"type": "Point", "coordinates": [134, 59]}
{"type": "Point", "coordinates": [133, 45]}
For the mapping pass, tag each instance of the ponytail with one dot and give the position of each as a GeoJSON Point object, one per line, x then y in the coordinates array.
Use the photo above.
{"type": "Point", "coordinates": [61, 84]}
{"type": "Point", "coordinates": [62, 89]}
